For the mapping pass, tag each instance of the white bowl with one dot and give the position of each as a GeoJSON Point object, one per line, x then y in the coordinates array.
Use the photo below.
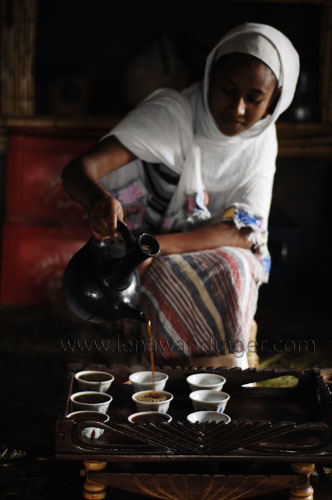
{"type": "Point", "coordinates": [142, 381]}
{"type": "Point", "coordinates": [208, 416]}
{"type": "Point", "coordinates": [91, 400]}
{"type": "Point", "coordinates": [94, 380]}
{"type": "Point", "coordinates": [159, 406]}
{"type": "Point", "coordinates": [208, 400]}
{"type": "Point", "coordinates": [144, 417]}
{"type": "Point", "coordinates": [90, 432]}
{"type": "Point", "coordinates": [212, 381]}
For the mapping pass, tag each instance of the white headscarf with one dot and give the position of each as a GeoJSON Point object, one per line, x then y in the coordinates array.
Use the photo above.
{"type": "Point", "coordinates": [253, 39]}
{"type": "Point", "coordinates": [254, 45]}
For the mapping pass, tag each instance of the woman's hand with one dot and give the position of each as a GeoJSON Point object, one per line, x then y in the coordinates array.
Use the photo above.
{"type": "Point", "coordinates": [103, 216]}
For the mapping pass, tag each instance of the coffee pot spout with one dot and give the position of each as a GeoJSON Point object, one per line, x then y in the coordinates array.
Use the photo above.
{"type": "Point", "coordinates": [125, 311]}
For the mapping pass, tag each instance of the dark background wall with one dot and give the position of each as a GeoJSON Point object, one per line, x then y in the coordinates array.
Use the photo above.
{"type": "Point", "coordinates": [98, 39]}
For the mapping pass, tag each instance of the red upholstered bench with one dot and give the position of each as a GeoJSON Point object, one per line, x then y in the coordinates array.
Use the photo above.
{"type": "Point", "coordinates": [43, 227]}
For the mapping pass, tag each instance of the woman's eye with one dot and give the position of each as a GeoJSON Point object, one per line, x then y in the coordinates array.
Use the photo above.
{"type": "Point", "coordinates": [254, 100]}
{"type": "Point", "coordinates": [227, 91]}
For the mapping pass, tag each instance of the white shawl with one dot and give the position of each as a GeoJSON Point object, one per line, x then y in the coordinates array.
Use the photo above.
{"type": "Point", "coordinates": [178, 130]}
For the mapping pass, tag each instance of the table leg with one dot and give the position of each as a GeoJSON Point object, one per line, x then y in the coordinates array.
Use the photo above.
{"type": "Point", "coordinates": [305, 491]}
{"type": "Point", "coordinates": [92, 490]}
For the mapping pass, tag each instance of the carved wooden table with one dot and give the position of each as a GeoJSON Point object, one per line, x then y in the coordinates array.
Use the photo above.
{"type": "Point", "coordinates": [273, 442]}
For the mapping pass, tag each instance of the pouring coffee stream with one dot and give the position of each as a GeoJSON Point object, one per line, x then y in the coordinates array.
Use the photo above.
{"type": "Point", "coordinates": [101, 283]}
{"type": "Point", "coordinates": [148, 327]}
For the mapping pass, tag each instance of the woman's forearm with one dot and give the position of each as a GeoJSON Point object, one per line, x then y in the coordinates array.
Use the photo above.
{"type": "Point", "coordinates": [81, 185]}
{"type": "Point", "coordinates": [81, 176]}
{"type": "Point", "coordinates": [205, 238]}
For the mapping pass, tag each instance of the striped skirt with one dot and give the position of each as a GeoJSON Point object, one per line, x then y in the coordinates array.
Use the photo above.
{"type": "Point", "coordinates": [201, 303]}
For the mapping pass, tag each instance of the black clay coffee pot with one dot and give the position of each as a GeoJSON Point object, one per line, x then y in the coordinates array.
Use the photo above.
{"type": "Point", "coordinates": [101, 283]}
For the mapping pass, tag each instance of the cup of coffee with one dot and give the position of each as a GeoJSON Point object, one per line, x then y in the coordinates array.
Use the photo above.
{"type": "Point", "coordinates": [152, 401]}
{"type": "Point", "coordinates": [90, 432]}
{"type": "Point", "coordinates": [210, 381]}
{"type": "Point", "coordinates": [142, 381]}
{"type": "Point", "coordinates": [94, 380]}
{"type": "Point", "coordinates": [145, 417]}
{"type": "Point", "coordinates": [91, 400]}
{"type": "Point", "coordinates": [207, 417]}
{"type": "Point", "coordinates": [208, 400]}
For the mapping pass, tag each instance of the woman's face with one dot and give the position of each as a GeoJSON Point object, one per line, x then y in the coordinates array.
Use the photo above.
{"type": "Point", "coordinates": [241, 89]}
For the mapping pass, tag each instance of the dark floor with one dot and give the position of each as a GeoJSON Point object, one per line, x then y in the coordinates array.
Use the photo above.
{"type": "Point", "coordinates": [36, 344]}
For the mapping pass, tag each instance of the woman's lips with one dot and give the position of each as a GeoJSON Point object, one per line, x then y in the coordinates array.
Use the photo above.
{"type": "Point", "coordinates": [230, 123]}
{"type": "Point", "coordinates": [232, 120]}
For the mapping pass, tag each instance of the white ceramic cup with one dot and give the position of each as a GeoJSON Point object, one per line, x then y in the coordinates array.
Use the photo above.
{"type": "Point", "coordinates": [90, 432]}
{"type": "Point", "coordinates": [94, 380]}
{"type": "Point", "coordinates": [152, 405]}
{"type": "Point", "coordinates": [211, 381]}
{"type": "Point", "coordinates": [142, 381]}
{"type": "Point", "coordinates": [144, 417]}
{"type": "Point", "coordinates": [208, 416]}
{"type": "Point", "coordinates": [208, 400]}
{"type": "Point", "coordinates": [91, 400]}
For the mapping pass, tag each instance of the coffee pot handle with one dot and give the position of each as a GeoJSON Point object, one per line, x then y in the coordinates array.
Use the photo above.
{"type": "Point", "coordinates": [126, 234]}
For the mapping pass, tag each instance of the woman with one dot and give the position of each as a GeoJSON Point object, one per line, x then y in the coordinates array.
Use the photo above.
{"type": "Point", "coordinates": [197, 169]}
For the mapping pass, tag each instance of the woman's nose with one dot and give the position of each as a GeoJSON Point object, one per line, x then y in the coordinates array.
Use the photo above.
{"type": "Point", "coordinates": [240, 107]}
